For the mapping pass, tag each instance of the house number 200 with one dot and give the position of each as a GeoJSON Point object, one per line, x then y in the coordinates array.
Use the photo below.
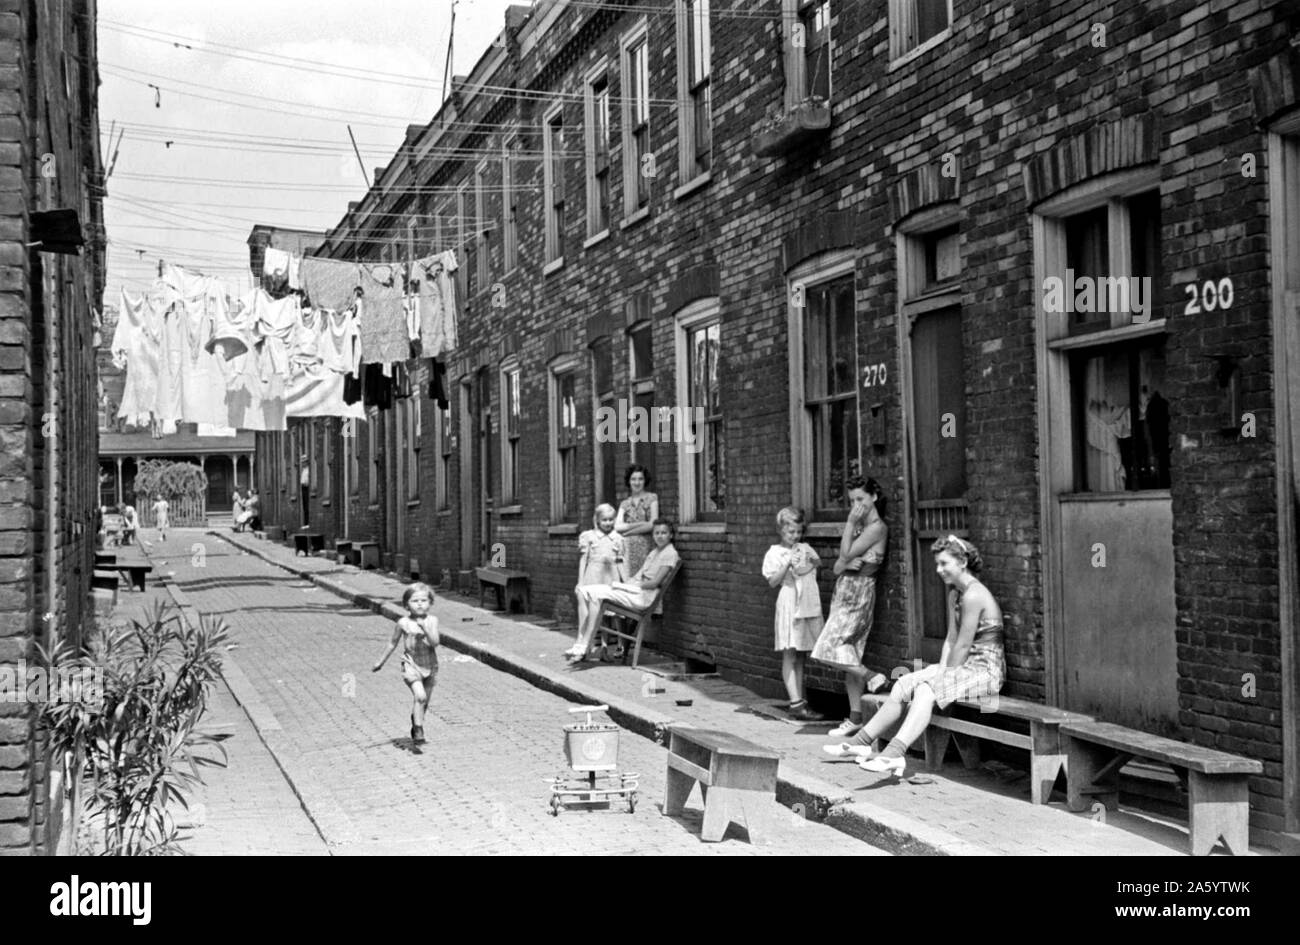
{"type": "Point", "coordinates": [873, 375]}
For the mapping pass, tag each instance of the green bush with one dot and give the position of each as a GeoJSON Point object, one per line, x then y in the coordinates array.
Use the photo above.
{"type": "Point", "coordinates": [135, 727]}
{"type": "Point", "coordinates": [171, 480]}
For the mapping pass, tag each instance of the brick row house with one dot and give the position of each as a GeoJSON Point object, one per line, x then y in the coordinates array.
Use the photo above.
{"type": "Point", "coordinates": [52, 246]}
{"type": "Point", "coordinates": [834, 231]}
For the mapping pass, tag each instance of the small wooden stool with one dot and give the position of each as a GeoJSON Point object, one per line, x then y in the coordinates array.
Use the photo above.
{"type": "Point", "coordinates": [737, 779]}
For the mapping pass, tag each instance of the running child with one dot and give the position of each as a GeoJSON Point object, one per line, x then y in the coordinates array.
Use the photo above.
{"type": "Point", "coordinates": [418, 634]}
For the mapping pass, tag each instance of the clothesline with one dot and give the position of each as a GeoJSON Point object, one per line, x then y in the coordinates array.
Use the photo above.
{"type": "Point", "coordinates": [192, 354]}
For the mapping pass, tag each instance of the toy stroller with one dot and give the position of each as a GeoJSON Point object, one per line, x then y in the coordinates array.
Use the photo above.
{"type": "Point", "coordinates": [591, 749]}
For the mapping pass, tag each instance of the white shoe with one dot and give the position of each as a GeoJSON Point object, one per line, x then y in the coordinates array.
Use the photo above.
{"type": "Point", "coordinates": [848, 750]}
{"type": "Point", "coordinates": [894, 766]}
{"type": "Point", "coordinates": [846, 729]}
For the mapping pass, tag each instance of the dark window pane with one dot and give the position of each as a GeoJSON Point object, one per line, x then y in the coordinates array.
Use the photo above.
{"type": "Point", "coordinates": [931, 18]}
{"type": "Point", "coordinates": [1121, 418]}
{"type": "Point", "coordinates": [642, 354]}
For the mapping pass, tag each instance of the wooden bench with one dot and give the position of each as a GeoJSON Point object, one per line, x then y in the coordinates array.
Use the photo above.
{"type": "Point", "coordinates": [106, 578]}
{"type": "Point", "coordinates": [1218, 782]}
{"type": "Point", "coordinates": [509, 585]}
{"type": "Point", "coordinates": [308, 543]}
{"type": "Point", "coordinates": [343, 551]}
{"type": "Point", "coordinates": [136, 569]}
{"type": "Point", "coordinates": [641, 617]}
{"type": "Point", "coordinates": [737, 779]}
{"type": "Point", "coordinates": [364, 554]}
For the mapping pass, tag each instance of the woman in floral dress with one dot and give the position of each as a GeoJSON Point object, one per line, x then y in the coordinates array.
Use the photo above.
{"type": "Point", "coordinates": [635, 517]}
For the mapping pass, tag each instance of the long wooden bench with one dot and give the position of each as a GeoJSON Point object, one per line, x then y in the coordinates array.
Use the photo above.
{"type": "Point", "coordinates": [968, 721]}
{"type": "Point", "coordinates": [1218, 782]}
{"type": "Point", "coordinates": [737, 779]}
{"type": "Point", "coordinates": [509, 586]}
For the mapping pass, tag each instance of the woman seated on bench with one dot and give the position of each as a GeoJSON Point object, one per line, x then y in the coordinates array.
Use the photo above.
{"type": "Point", "coordinates": [971, 665]}
{"type": "Point", "coordinates": [638, 593]}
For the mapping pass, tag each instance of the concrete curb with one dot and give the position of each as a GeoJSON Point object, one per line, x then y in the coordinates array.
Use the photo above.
{"type": "Point", "coordinates": [331, 822]}
{"type": "Point", "coordinates": [816, 799]}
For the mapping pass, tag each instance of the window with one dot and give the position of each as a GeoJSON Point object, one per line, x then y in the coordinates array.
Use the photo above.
{"type": "Point", "coordinates": [913, 23]}
{"type": "Point", "coordinates": [372, 457]}
{"type": "Point", "coordinates": [351, 430]}
{"type": "Point", "coordinates": [462, 244]}
{"type": "Point", "coordinates": [445, 445]}
{"type": "Point", "coordinates": [289, 462]}
{"type": "Point", "coordinates": [511, 409]}
{"type": "Point", "coordinates": [641, 372]}
{"type": "Point", "coordinates": [1102, 334]}
{"type": "Point", "coordinates": [411, 415]}
{"type": "Point", "coordinates": [597, 148]}
{"type": "Point", "coordinates": [701, 458]}
{"type": "Point", "coordinates": [695, 125]}
{"type": "Point", "coordinates": [481, 228]}
{"type": "Point", "coordinates": [808, 51]}
{"type": "Point", "coordinates": [309, 435]}
{"type": "Point", "coordinates": [564, 441]}
{"type": "Point", "coordinates": [638, 162]}
{"type": "Point", "coordinates": [553, 183]}
{"type": "Point", "coordinates": [327, 461]}
{"type": "Point", "coordinates": [602, 390]}
{"type": "Point", "coordinates": [824, 388]}
{"type": "Point", "coordinates": [942, 262]}
{"type": "Point", "coordinates": [509, 204]}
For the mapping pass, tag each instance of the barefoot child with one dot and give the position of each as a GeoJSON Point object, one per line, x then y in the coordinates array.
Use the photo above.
{"type": "Point", "coordinates": [418, 633]}
{"type": "Point", "coordinates": [792, 566]}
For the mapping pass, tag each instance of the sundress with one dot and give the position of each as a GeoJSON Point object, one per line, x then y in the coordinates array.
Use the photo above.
{"type": "Point", "coordinates": [637, 509]}
{"type": "Point", "coordinates": [798, 605]}
{"type": "Point", "coordinates": [844, 638]}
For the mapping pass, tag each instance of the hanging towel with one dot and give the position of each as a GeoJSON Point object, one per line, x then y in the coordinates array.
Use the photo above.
{"type": "Point", "coordinates": [437, 303]}
{"type": "Point", "coordinates": [329, 283]}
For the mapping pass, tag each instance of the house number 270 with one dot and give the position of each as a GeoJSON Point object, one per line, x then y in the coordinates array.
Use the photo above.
{"type": "Point", "coordinates": [873, 375]}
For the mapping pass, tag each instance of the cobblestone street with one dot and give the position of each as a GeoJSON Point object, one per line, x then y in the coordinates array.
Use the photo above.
{"type": "Point", "coordinates": [301, 665]}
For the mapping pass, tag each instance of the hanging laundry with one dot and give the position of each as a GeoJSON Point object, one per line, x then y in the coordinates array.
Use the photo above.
{"type": "Point", "coordinates": [295, 273]}
{"type": "Point", "coordinates": [275, 267]}
{"type": "Point", "coordinates": [275, 321]}
{"type": "Point", "coordinates": [438, 384]}
{"type": "Point", "coordinates": [329, 283]}
{"type": "Point", "coordinates": [383, 323]}
{"type": "Point", "coordinates": [136, 346]}
{"type": "Point", "coordinates": [340, 341]}
{"type": "Point", "coordinates": [376, 389]}
{"type": "Point", "coordinates": [436, 302]}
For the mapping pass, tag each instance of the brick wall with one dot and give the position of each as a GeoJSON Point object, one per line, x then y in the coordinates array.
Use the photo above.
{"type": "Point", "coordinates": [48, 159]}
{"type": "Point", "coordinates": [1012, 87]}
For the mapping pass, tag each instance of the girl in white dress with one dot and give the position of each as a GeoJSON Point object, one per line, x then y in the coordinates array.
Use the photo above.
{"type": "Point", "coordinates": [792, 566]}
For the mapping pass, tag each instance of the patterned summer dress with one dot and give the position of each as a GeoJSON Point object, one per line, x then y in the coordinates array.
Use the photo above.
{"type": "Point", "coordinates": [637, 509]}
{"type": "Point", "coordinates": [980, 675]}
{"type": "Point", "coordinates": [853, 606]}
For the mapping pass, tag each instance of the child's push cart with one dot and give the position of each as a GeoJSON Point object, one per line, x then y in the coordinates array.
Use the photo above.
{"type": "Point", "coordinates": [591, 749]}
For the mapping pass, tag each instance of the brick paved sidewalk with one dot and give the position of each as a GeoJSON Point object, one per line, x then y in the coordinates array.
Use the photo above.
{"type": "Point", "coordinates": [300, 669]}
{"type": "Point", "coordinates": [959, 811]}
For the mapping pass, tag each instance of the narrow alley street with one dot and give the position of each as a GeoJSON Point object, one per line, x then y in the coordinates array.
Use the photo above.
{"type": "Point", "coordinates": [300, 664]}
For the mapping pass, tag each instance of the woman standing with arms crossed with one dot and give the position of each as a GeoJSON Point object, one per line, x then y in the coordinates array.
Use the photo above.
{"type": "Point", "coordinates": [844, 638]}
{"type": "Point", "coordinates": [635, 517]}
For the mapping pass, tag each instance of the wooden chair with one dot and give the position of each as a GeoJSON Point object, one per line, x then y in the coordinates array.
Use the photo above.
{"type": "Point", "coordinates": [641, 617]}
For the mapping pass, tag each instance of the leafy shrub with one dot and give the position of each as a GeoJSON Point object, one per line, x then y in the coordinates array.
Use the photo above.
{"type": "Point", "coordinates": [171, 480]}
{"type": "Point", "coordinates": [137, 734]}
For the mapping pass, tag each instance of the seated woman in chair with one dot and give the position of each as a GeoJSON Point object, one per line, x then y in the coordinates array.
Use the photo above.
{"type": "Point", "coordinates": [639, 592]}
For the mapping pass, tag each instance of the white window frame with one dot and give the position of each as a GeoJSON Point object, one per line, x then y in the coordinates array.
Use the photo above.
{"type": "Point", "coordinates": [823, 268]}
{"type": "Point", "coordinates": [631, 98]}
{"type": "Point", "coordinates": [326, 460]}
{"type": "Point", "coordinates": [643, 384]}
{"type": "Point", "coordinates": [697, 314]}
{"type": "Point", "coordinates": [796, 56]}
{"type": "Point", "coordinates": [462, 240]}
{"type": "Point", "coordinates": [482, 229]}
{"type": "Point", "coordinates": [412, 456]}
{"type": "Point", "coordinates": [902, 14]}
{"type": "Point", "coordinates": [510, 487]}
{"type": "Point", "coordinates": [687, 105]}
{"type": "Point", "coordinates": [446, 449]}
{"type": "Point", "coordinates": [568, 364]}
{"type": "Point", "coordinates": [509, 206]}
{"type": "Point", "coordinates": [372, 456]}
{"type": "Point", "coordinates": [610, 400]}
{"type": "Point", "coordinates": [597, 74]}
{"type": "Point", "coordinates": [353, 456]}
{"type": "Point", "coordinates": [553, 225]}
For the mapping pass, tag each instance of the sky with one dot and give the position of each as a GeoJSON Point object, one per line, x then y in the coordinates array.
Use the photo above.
{"type": "Point", "coordinates": [256, 97]}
